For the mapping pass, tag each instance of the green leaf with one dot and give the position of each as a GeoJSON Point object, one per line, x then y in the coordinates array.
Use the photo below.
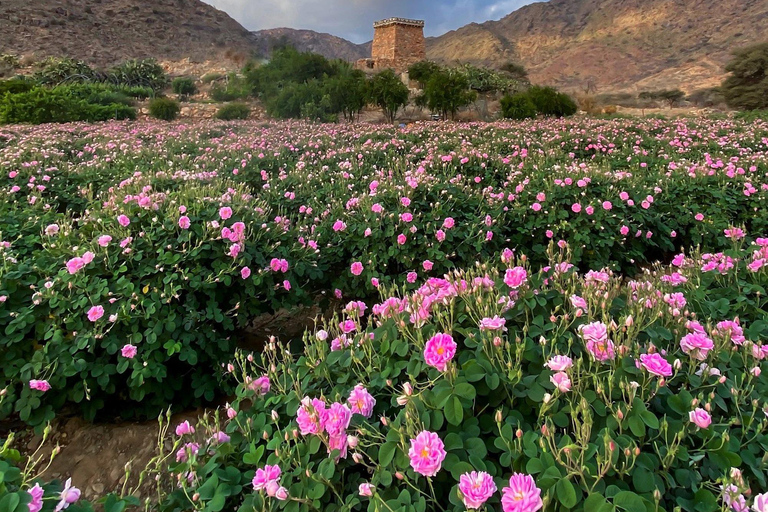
{"type": "Point", "coordinates": [629, 501]}
{"type": "Point", "coordinates": [387, 453]}
{"type": "Point", "coordinates": [565, 493]}
{"type": "Point", "coordinates": [454, 412]}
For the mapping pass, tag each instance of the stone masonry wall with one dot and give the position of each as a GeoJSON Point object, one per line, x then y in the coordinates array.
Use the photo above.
{"type": "Point", "coordinates": [396, 46]}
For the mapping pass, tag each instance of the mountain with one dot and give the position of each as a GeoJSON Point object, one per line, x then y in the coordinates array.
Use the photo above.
{"type": "Point", "coordinates": [328, 45]}
{"type": "Point", "coordinates": [104, 32]}
{"type": "Point", "coordinates": [615, 45]}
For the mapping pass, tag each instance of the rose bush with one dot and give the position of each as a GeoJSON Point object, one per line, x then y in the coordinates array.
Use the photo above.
{"type": "Point", "coordinates": [504, 387]}
{"type": "Point", "coordinates": [134, 254]}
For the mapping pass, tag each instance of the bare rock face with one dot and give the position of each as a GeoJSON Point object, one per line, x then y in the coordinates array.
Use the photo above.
{"type": "Point", "coordinates": [616, 45]}
{"type": "Point", "coordinates": [327, 45]}
{"type": "Point", "coordinates": [105, 32]}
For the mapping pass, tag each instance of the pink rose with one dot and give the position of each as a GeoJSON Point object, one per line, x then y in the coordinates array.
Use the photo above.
{"type": "Point", "coordinates": [476, 488]}
{"type": "Point", "coordinates": [39, 385]}
{"type": "Point", "coordinates": [427, 453]}
{"type": "Point", "coordinates": [356, 268]}
{"type": "Point", "coordinates": [95, 313]}
{"type": "Point", "coordinates": [439, 350]}
{"type": "Point", "coordinates": [128, 351]}
{"type": "Point", "coordinates": [561, 382]}
{"type": "Point", "coordinates": [656, 365]}
{"type": "Point", "coordinates": [700, 417]}
{"type": "Point", "coordinates": [522, 495]}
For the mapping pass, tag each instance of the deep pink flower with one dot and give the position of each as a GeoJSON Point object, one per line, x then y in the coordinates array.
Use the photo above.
{"type": "Point", "coordinates": [39, 385]}
{"type": "Point", "coordinates": [515, 277]}
{"type": "Point", "coordinates": [311, 416]}
{"type": "Point", "coordinates": [522, 495]}
{"type": "Point", "coordinates": [595, 335]}
{"type": "Point", "coordinates": [656, 364]}
{"type": "Point", "coordinates": [95, 313]}
{"type": "Point", "coordinates": [427, 453]}
{"type": "Point", "coordinates": [266, 475]}
{"type": "Point", "coordinates": [439, 350]}
{"type": "Point", "coordinates": [356, 268]}
{"type": "Point", "coordinates": [476, 488]}
{"type": "Point", "coordinates": [104, 240]}
{"type": "Point", "coordinates": [184, 222]}
{"type": "Point", "coordinates": [184, 428]}
{"type": "Point", "coordinates": [448, 223]}
{"type": "Point", "coordinates": [225, 212]}
{"type": "Point", "coordinates": [337, 418]}
{"type": "Point", "coordinates": [576, 207]}
{"type": "Point", "coordinates": [68, 496]}
{"type": "Point", "coordinates": [123, 220]}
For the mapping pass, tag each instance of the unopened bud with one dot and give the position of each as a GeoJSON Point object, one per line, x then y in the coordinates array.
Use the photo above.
{"type": "Point", "coordinates": [518, 433]}
{"type": "Point", "coordinates": [498, 417]}
{"type": "Point", "coordinates": [196, 496]}
{"type": "Point", "coordinates": [399, 475]}
{"type": "Point", "coordinates": [408, 389]}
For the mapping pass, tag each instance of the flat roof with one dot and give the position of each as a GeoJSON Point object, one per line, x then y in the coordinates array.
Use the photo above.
{"type": "Point", "coordinates": [398, 21]}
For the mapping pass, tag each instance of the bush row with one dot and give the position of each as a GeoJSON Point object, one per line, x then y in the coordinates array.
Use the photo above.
{"type": "Point", "coordinates": [170, 239]}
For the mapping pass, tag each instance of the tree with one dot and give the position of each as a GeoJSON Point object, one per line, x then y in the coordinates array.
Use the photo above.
{"type": "Point", "coordinates": [423, 70]}
{"type": "Point", "coordinates": [747, 86]}
{"type": "Point", "coordinates": [447, 92]}
{"type": "Point", "coordinates": [388, 92]}
{"type": "Point", "coordinates": [671, 96]}
{"type": "Point", "coordinates": [517, 71]}
{"type": "Point", "coordinates": [346, 92]}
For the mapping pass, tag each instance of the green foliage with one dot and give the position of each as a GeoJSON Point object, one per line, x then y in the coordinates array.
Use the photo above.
{"type": "Point", "coordinates": [486, 80]}
{"type": "Point", "coordinates": [164, 108]}
{"type": "Point", "coordinates": [518, 106]}
{"type": "Point", "coordinates": [388, 92]}
{"type": "Point", "coordinates": [235, 87]}
{"type": "Point", "coordinates": [301, 101]}
{"type": "Point", "coordinates": [15, 86]}
{"type": "Point", "coordinates": [670, 96]}
{"type": "Point", "coordinates": [184, 86]}
{"type": "Point", "coordinates": [346, 91]}
{"type": "Point", "coordinates": [233, 111]}
{"type": "Point", "coordinates": [516, 71]}
{"type": "Point", "coordinates": [139, 73]}
{"type": "Point", "coordinates": [287, 66]}
{"type": "Point", "coordinates": [747, 86]}
{"type": "Point", "coordinates": [60, 71]}
{"type": "Point", "coordinates": [423, 70]}
{"type": "Point", "coordinates": [616, 438]}
{"type": "Point", "coordinates": [65, 103]}
{"type": "Point", "coordinates": [551, 103]}
{"type": "Point", "coordinates": [447, 92]}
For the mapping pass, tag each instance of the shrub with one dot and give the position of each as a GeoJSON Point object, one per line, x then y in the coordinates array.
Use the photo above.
{"type": "Point", "coordinates": [234, 88]}
{"type": "Point", "coordinates": [233, 111]}
{"type": "Point", "coordinates": [184, 86]}
{"type": "Point", "coordinates": [60, 71]}
{"type": "Point", "coordinates": [346, 92]}
{"type": "Point", "coordinates": [164, 108]}
{"type": "Point", "coordinates": [747, 86]}
{"type": "Point", "coordinates": [64, 104]}
{"type": "Point", "coordinates": [447, 92]}
{"type": "Point", "coordinates": [139, 73]}
{"type": "Point", "coordinates": [670, 96]}
{"type": "Point", "coordinates": [388, 92]}
{"type": "Point", "coordinates": [518, 106]}
{"type": "Point", "coordinates": [422, 71]}
{"type": "Point", "coordinates": [551, 103]}
{"type": "Point", "coordinates": [15, 86]}
{"type": "Point", "coordinates": [605, 394]}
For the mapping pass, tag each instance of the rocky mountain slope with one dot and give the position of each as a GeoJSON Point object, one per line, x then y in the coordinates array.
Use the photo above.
{"type": "Point", "coordinates": [308, 40]}
{"type": "Point", "coordinates": [104, 32]}
{"type": "Point", "coordinates": [616, 45]}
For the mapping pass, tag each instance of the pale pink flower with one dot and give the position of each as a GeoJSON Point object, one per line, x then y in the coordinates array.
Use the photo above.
{"type": "Point", "coordinates": [184, 428]}
{"type": "Point", "coordinates": [493, 324]}
{"type": "Point", "coordinates": [184, 222]}
{"type": "Point", "coordinates": [427, 453]}
{"type": "Point", "coordinates": [700, 417]}
{"type": "Point", "coordinates": [361, 401]}
{"type": "Point", "coordinates": [697, 345]}
{"type": "Point", "coordinates": [104, 240]}
{"type": "Point", "coordinates": [68, 496]}
{"type": "Point", "coordinates": [367, 489]}
{"type": "Point", "coordinates": [559, 363]}
{"type": "Point", "coordinates": [265, 475]}
{"type": "Point", "coordinates": [129, 351]}
{"type": "Point", "coordinates": [225, 212]}
{"type": "Point", "coordinates": [36, 492]}
{"type": "Point", "coordinates": [561, 381]}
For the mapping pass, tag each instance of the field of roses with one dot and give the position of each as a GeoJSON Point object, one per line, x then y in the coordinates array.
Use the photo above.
{"type": "Point", "coordinates": [557, 314]}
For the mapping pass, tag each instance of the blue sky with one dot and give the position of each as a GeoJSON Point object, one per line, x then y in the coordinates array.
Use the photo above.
{"type": "Point", "coordinates": [353, 19]}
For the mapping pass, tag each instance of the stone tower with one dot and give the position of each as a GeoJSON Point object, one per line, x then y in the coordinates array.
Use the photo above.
{"type": "Point", "coordinates": [397, 43]}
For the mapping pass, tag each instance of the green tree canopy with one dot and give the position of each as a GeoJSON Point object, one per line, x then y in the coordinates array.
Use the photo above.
{"type": "Point", "coordinates": [747, 86]}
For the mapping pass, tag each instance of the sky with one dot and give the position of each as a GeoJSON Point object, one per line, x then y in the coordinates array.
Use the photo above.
{"type": "Point", "coordinates": [353, 19]}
